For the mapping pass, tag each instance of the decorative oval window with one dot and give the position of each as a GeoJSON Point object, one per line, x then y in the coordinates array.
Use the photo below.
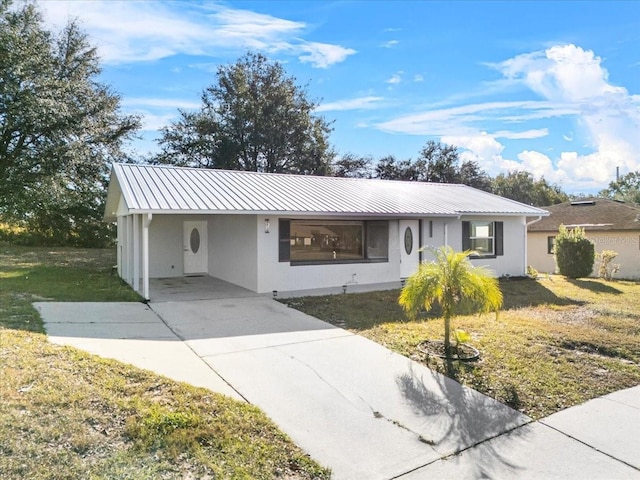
{"type": "Point", "coordinates": [194, 240]}
{"type": "Point", "coordinates": [408, 240]}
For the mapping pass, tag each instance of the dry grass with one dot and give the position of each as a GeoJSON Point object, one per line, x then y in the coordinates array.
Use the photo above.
{"type": "Point", "coordinates": [557, 343]}
{"type": "Point", "coordinates": [68, 414]}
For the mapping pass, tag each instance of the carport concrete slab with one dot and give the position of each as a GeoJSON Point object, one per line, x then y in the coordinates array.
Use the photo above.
{"type": "Point", "coordinates": [597, 423]}
{"type": "Point", "coordinates": [532, 452]}
{"type": "Point", "coordinates": [215, 327]}
{"type": "Point", "coordinates": [131, 333]}
{"type": "Point", "coordinates": [182, 289]}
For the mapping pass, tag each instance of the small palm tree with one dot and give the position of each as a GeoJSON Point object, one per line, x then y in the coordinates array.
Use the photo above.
{"type": "Point", "coordinates": [451, 281]}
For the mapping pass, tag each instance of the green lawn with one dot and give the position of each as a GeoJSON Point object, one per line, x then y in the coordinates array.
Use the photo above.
{"type": "Point", "coordinates": [68, 414]}
{"type": "Point", "coordinates": [556, 343]}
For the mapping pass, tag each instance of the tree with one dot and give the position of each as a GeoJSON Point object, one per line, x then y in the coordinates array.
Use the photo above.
{"type": "Point", "coordinates": [451, 282]}
{"type": "Point", "coordinates": [522, 187]}
{"type": "Point", "coordinates": [352, 166]}
{"type": "Point", "coordinates": [626, 188]}
{"type": "Point", "coordinates": [389, 168]}
{"type": "Point", "coordinates": [254, 117]}
{"type": "Point", "coordinates": [59, 130]}
{"type": "Point", "coordinates": [471, 174]}
{"type": "Point", "coordinates": [574, 253]}
{"type": "Point", "coordinates": [438, 163]}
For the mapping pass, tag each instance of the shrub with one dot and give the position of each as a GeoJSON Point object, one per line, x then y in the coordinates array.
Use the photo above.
{"type": "Point", "coordinates": [574, 253]}
{"type": "Point", "coordinates": [606, 270]}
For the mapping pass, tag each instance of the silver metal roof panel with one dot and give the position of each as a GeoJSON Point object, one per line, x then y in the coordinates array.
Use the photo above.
{"type": "Point", "coordinates": [166, 189]}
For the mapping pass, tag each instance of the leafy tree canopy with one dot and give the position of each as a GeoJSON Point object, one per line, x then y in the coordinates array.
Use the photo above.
{"type": "Point", "coordinates": [522, 187]}
{"type": "Point", "coordinates": [352, 166]}
{"type": "Point", "coordinates": [439, 163]}
{"type": "Point", "coordinates": [626, 188]}
{"type": "Point", "coordinates": [59, 130]}
{"type": "Point", "coordinates": [254, 117]}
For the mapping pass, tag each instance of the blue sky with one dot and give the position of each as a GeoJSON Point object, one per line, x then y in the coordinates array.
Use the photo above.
{"type": "Point", "coordinates": [548, 87]}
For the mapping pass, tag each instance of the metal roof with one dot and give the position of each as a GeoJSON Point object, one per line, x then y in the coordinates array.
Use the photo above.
{"type": "Point", "coordinates": [166, 189]}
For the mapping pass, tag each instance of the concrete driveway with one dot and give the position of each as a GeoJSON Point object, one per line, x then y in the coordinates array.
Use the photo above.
{"type": "Point", "coordinates": [352, 404]}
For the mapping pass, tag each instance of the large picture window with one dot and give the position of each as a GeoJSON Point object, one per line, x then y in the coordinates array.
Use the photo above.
{"type": "Point", "coordinates": [333, 241]}
{"type": "Point", "coordinates": [483, 237]}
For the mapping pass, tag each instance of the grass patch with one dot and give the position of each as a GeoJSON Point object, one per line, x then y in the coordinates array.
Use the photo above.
{"type": "Point", "coordinates": [29, 274]}
{"type": "Point", "coordinates": [67, 414]}
{"type": "Point", "coordinates": [557, 342]}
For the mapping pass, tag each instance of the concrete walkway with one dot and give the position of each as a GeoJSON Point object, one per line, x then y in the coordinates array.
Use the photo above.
{"type": "Point", "coordinates": [352, 404]}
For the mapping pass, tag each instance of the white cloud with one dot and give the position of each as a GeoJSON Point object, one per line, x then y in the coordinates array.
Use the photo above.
{"type": "Point", "coordinates": [323, 55]}
{"type": "Point", "coordinates": [351, 104]}
{"type": "Point", "coordinates": [572, 84]}
{"type": "Point", "coordinates": [482, 148]}
{"type": "Point", "coordinates": [608, 116]}
{"type": "Point", "coordinates": [152, 122]}
{"type": "Point", "coordinates": [418, 78]}
{"type": "Point", "coordinates": [561, 73]}
{"type": "Point", "coordinates": [390, 44]}
{"type": "Point", "coordinates": [396, 78]}
{"type": "Point", "coordinates": [127, 32]}
{"type": "Point", "coordinates": [526, 134]}
{"type": "Point", "coordinates": [473, 118]}
{"type": "Point", "coordinates": [161, 103]}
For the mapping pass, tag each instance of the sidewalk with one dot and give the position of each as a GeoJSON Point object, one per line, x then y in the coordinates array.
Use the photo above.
{"type": "Point", "coordinates": [598, 439]}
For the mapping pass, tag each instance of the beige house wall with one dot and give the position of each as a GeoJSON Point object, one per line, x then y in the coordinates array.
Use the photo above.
{"type": "Point", "coordinates": [626, 243]}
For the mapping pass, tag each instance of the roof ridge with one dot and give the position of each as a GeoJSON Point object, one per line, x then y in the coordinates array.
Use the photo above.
{"type": "Point", "coordinates": [295, 175]}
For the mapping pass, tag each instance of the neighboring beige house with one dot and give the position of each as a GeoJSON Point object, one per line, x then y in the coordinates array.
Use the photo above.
{"type": "Point", "coordinates": [609, 224]}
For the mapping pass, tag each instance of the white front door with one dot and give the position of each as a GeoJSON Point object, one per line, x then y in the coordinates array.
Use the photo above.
{"type": "Point", "coordinates": [409, 246]}
{"type": "Point", "coordinates": [196, 248]}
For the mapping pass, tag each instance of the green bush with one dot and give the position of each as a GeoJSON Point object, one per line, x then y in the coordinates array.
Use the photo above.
{"type": "Point", "coordinates": [574, 253]}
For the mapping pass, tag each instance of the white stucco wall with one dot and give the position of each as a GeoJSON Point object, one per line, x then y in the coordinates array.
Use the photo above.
{"type": "Point", "coordinates": [241, 252]}
{"type": "Point", "coordinates": [233, 252]}
{"type": "Point", "coordinates": [282, 276]}
{"type": "Point", "coordinates": [166, 244]}
{"type": "Point", "coordinates": [514, 236]}
{"type": "Point", "coordinates": [627, 244]}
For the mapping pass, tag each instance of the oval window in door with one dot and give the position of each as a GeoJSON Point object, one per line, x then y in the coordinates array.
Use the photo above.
{"type": "Point", "coordinates": [194, 240]}
{"type": "Point", "coordinates": [408, 240]}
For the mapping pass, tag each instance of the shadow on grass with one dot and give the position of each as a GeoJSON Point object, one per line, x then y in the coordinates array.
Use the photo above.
{"type": "Point", "coordinates": [362, 311]}
{"type": "Point", "coordinates": [525, 292]}
{"type": "Point", "coordinates": [597, 287]}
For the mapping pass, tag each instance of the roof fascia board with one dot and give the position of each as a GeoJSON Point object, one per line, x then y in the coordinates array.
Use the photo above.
{"type": "Point", "coordinates": [293, 213]}
{"type": "Point", "coordinates": [331, 214]}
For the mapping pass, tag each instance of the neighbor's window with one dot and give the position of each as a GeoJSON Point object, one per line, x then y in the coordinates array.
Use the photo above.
{"type": "Point", "coordinates": [483, 237]}
{"type": "Point", "coordinates": [551, 243]}
{"type": "Point", "coordinates": [334, 241]}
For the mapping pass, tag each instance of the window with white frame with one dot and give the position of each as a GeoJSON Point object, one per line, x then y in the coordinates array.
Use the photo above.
{"type": "Point", "coordinates": [483, 237]}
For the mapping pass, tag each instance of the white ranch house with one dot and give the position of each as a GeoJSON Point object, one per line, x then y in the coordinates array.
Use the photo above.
{"type": "Point", "coordinates": [267, 232]}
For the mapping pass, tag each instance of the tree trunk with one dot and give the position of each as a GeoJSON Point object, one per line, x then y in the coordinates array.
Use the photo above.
{"type": "Point", "coordinates": [447, 333]}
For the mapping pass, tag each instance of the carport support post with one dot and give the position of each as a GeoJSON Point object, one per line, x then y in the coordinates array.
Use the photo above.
{"type": "Point", "coordinates": [136, 252]}
{"type": "Point", "coordinates": [146, 220]}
